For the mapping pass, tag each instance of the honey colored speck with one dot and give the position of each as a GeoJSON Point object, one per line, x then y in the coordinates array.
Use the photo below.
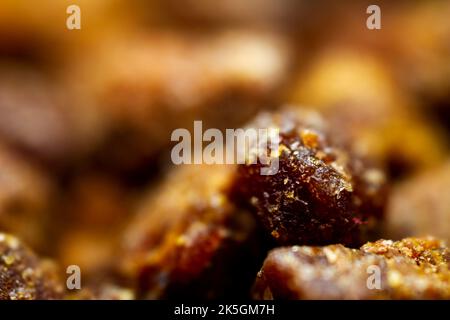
{"type": "Point", "coordinates": [309, 138]}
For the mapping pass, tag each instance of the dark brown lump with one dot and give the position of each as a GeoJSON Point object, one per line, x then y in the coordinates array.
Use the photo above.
{"type": "Point", "coordinates": [321, 193]}
{"type": "Point", "coordinates": [23, 276]}
{"type": "Point", "coordinates": [188, 240]}
{"type": "Point", "coordinates": [413, 268]}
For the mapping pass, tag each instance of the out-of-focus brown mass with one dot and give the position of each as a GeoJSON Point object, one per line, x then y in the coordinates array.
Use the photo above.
{"type": "Point", "coordinates": [355, 90]}
{"type": "Point", "coordinates": [421, 206]}
{"type": "Point", "coordinates": [413, 268]}
{"type": "Point", "coordinates": [25, 197]}
{"type": "Point", "coordinates": [39, 118]}
{"type": "Point", "coordinates": [148, 85]}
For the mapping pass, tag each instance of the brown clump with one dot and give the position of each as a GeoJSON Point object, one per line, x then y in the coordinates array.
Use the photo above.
{"type": "Point", "coordinates": [420, 206]}
{"type": "Point", "coordinates": [321, 193]}
{"type": "Point", "coordinates": [99, 207]}
{"type": "Point", "coordinates": [189, 240]}
{"type": "Point", "coordinates": [40, 118]}
{"type": "Point", "coordinates": [148, 85]}
{"type": "Point", "coordinates": [413, 268]}
{"type": "Point", "coordinates": [25, 199]}
{"type": "Point", "coordinates": [23, 276]}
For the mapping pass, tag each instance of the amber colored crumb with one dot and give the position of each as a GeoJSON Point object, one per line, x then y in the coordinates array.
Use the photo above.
{"type": "Point", "coordinates": [188, 240]}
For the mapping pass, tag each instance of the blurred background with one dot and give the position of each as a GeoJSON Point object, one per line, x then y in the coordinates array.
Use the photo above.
{"type": "Point", "coordinates": [86, 115]}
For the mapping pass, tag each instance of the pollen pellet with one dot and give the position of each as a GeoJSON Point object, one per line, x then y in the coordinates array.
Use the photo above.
{"type": "Point", "coordinates": [321, 194]}
{"type": "Point", "coordinates": [413, 268]}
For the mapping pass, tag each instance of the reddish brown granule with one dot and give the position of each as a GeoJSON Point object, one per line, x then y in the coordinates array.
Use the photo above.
{"type": "Point", "coordinates": [414, 268]}
{"type": "Point", "coordinates": [321, 193]}
{"type": "Point", "coordinates": [23, 276]}
{"type": "Point", "coordinates": [188, 240]}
